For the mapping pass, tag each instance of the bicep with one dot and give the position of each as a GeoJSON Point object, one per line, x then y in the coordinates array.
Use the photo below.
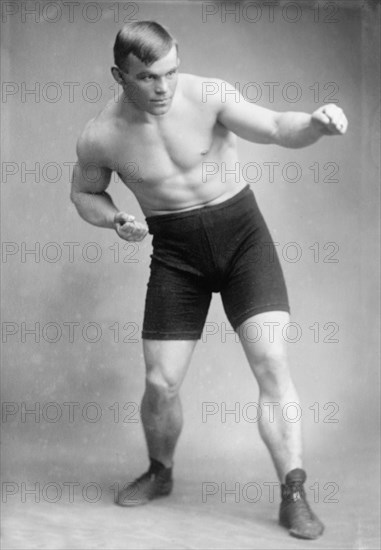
{"type": "Point", "coordinates": [246, 120]}
{"type": "Point", "coordinates": [90, 174]}
{"type": "Point", "coordinates": [89, 177]}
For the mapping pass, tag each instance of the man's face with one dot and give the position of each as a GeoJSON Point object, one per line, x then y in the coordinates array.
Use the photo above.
{"type": "Point", "coordinates": [152, 88]}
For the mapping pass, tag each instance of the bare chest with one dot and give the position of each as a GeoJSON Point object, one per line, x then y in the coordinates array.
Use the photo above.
{"type": "Point", "coordinates": [155, 153]}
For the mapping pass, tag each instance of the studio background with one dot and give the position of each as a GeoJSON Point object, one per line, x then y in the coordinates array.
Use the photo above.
{"type": "Point", "coordinates": [332, 287]}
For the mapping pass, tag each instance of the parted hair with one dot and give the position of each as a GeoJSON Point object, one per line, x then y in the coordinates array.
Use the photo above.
{"type": "Point", "coordinates": [147, 40]}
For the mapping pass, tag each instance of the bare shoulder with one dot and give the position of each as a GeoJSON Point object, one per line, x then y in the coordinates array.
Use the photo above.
{"type": "Point", "coordinates": [202, 89]}
{"type": "Point", "coordinates": [94, 142]}
{"type": "Point", "coordinates": [90, 144]}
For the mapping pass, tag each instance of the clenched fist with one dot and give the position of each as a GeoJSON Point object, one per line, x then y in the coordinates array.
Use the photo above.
{"type": "Point", "coordinates": [330, 120]}
{"type": "Point", "coordinates": [129, 229]}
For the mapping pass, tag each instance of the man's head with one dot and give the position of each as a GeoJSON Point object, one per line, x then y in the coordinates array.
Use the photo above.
{"type": "Point", "coordinates": [146, 62]}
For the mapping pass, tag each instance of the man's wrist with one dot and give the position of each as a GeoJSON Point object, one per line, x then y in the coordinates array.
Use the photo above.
{"type": "Point", "coordinates": [316, 127]}
{"type": "Point", "coordinates": [110, 221]}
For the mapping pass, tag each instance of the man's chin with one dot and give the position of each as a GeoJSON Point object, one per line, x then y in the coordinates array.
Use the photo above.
{"type": "Point", "coordinates": [158, 108]}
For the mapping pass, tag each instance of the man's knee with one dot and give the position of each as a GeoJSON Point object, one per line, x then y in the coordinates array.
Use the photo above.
{"type": "Point", "coordinates": [271, 369]}
{"type": "Point", "coordinates": [272, 358]}
{"type": "Point", "coordinates": [160, 386]}
{"type": "Point", "coordinates": [166, 365]}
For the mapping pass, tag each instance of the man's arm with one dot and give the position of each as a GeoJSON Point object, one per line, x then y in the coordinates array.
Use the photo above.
{"type": "Point", "coordinates": [88, 193]}
{"type": "Point", "coordinates": [261, 125]}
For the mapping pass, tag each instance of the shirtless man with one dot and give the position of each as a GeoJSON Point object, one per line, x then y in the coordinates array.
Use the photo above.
{"type": "Point", "coordinates": [207, 231]}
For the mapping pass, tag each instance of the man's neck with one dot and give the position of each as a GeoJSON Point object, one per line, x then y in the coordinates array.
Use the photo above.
{"type": "Point", "coordinates": [129, 111]}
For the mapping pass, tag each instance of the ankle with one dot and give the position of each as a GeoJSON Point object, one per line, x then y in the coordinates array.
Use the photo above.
{"type": "Point", "coordinates": [157, 467]}
{"type": "Point", "coordinates": [292, 488]}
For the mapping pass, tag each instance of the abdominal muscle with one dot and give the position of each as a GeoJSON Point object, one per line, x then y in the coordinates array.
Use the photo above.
{"type": "Point", "coordinates": [209, 194]}
{"type": "Point", "coordinates": [184, 190]}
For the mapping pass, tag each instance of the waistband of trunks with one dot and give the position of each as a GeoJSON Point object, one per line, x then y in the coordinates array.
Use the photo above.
{"type": "Point", "coordinates": [154, 221]}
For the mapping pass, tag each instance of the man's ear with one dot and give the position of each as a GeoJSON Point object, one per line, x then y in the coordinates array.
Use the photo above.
{"type": "Point", "coordinates": [117, 76]}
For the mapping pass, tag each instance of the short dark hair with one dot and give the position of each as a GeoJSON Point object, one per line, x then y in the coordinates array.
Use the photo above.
{"type": "Point", "coordinates": [147, 40]}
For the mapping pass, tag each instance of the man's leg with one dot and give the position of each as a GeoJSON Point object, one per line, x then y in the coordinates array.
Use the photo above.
{"type": "Point", "coordinates": [265, 348]}
{"type": "Point", "coordinates": [167, 362]}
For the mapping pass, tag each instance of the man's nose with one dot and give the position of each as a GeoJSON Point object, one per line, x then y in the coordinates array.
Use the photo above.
{"type": "Point", "coordinates": [161, 86]}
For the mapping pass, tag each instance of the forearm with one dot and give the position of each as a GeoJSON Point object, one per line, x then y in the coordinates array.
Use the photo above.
{"type": "Point", "coordinates": [95, 208]}
{"type": "Point", "coordinates": [296, 130]}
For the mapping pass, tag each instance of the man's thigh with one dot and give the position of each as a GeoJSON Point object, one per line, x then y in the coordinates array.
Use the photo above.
{"type": "Point", "coordinates": [262, 336]}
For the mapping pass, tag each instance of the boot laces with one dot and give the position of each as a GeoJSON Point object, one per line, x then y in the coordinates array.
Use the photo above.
{"type": "Point", "coordinates": [298, 496]}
